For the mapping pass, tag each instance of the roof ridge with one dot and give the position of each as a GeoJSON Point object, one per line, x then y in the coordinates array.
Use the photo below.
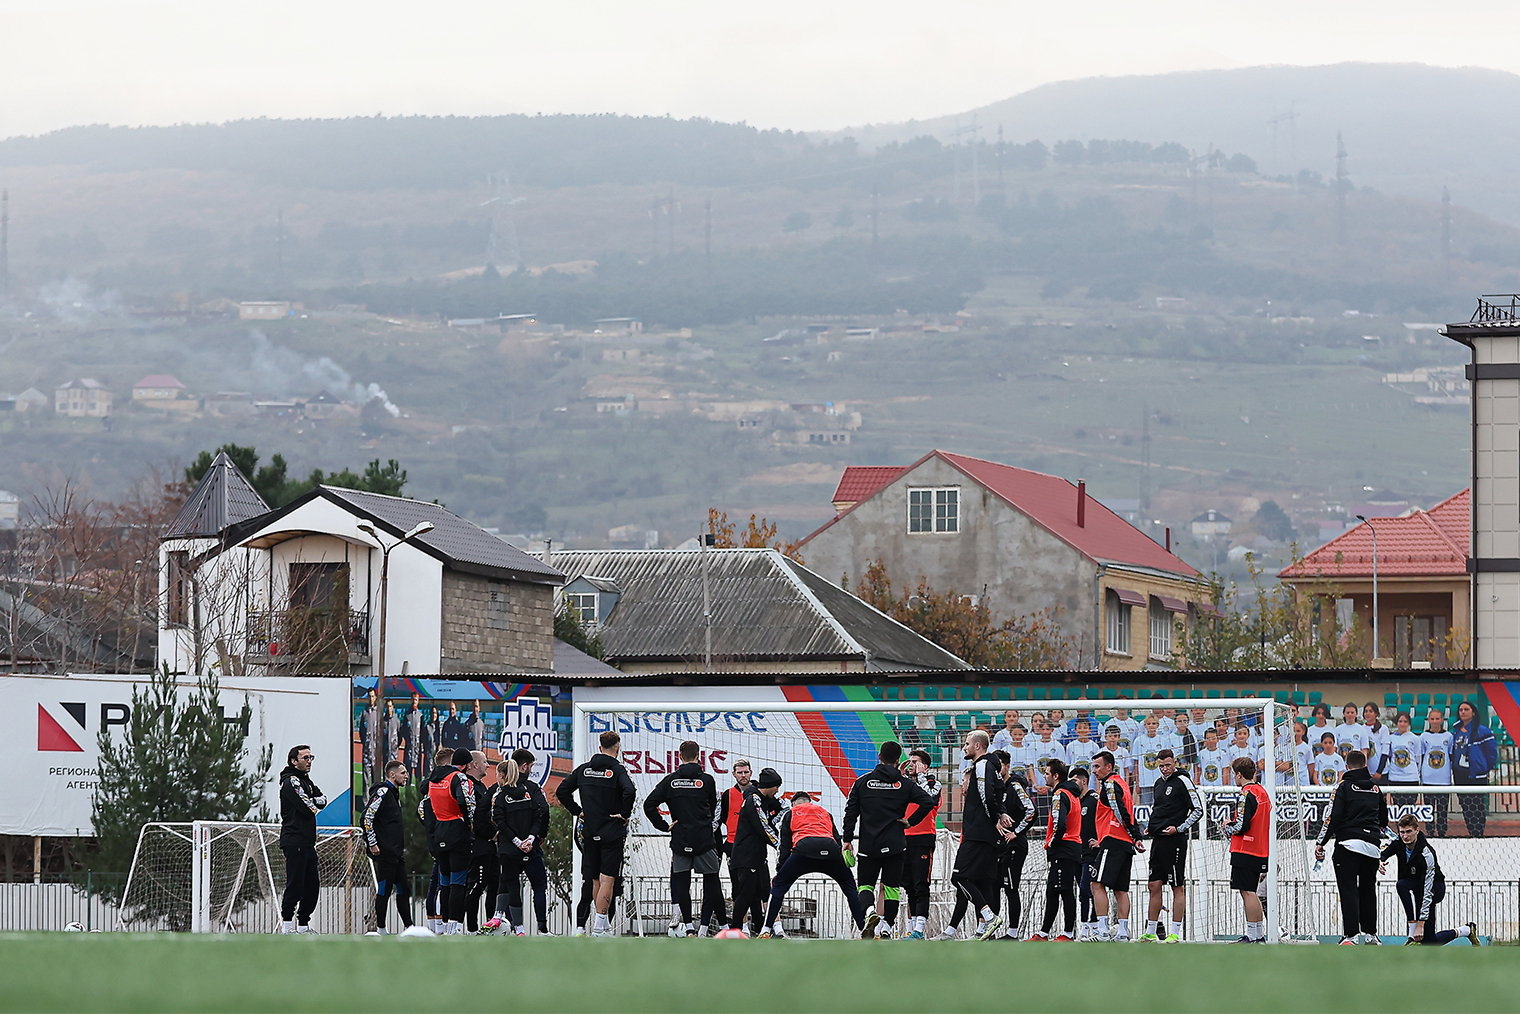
{"type": "Point", "coordinates": [827, 615]}
{"type": "Point", "coordinates": [1457, 550]}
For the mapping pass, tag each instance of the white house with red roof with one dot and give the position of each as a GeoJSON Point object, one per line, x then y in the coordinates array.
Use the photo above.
{"type": "Point", "coordinates": [1424, 591]}
{"type": "Point", "coordinates": [1021, 541]}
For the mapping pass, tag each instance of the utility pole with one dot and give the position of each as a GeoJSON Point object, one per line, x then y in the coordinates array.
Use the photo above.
{"type": "Point", "coordinates": [5, 242]}
{"type": "Point", "coordinates": [707, 235]}
{"type": "Point", "coordinates": [1000, 159]}
{"type": "Point", "coordinates": [1445, 233]}
{"type": "Point", "coordinates": [705, 541]}
{"type": "Point", "coordinates": [1342, 183]}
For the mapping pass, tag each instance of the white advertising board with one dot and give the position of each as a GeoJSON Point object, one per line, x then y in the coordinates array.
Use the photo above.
{"type": "Point", "coordinates": [49, 752]}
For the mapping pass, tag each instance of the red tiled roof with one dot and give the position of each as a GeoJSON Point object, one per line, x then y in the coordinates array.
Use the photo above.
{"type": "Point", "coordinates": [860, 481]}
{"type": "Point", "coordinates": [1431, 543]}
{"type": "Point", "coordinates": [1051, 502]}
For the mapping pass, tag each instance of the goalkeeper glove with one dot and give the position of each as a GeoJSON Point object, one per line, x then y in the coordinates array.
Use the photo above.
{"type": "Point", "coordinates": [849, 856]}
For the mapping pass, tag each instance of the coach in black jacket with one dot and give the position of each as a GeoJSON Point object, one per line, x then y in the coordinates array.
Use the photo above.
{"type": "Point", "coordinates": [692, 796]}
{"type": "Point", "coordinates": [300, 802]}
{"type": "Point", "coordinates": [386, 837]}
{"type": "Point", "coordinates": [885, 802]}
{"type": "Point", "coordinates": [1358, 821]}
{"type": "Point", "coordinates": [607, 797]}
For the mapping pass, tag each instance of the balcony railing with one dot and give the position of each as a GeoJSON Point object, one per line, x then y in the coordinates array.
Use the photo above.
{"type": "Point", "coordinates": [308, 639]}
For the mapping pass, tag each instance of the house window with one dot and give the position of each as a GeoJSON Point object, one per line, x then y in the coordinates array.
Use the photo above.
{"type": "Point", "coordinates": [1161, 631]}
{"type": "Point", "coordinates": [498, 606]}
{"type": "Point", "coordinates": [934, 510]}
{"type": "Point", "coordinates": [1117, 614]}
{"type": "Point", "coordinates": [582, 606]}
{"type": "Point", "coordinates": [178, 605]}
{"type": "Point", "coordinates": [317, 585]}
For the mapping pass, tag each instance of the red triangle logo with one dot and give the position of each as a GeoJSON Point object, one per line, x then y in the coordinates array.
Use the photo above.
{"type": "Point", "coordinates": [51, 735]}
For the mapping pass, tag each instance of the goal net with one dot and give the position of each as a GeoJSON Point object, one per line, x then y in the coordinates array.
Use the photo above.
{"type": "Point", "coordinates": [823, 747]}
{"type": "Point", "coordinates": [225, 877]}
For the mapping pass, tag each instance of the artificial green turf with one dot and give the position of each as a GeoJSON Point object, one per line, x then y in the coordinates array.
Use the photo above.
{"type": "Point", "coordinates": [58, 972]}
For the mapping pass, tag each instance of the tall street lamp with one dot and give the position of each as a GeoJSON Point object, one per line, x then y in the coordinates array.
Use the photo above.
{"type": "Point", "coordinates": [1377, 645]}
{"type": "Point", "coordinates": [421, 528]}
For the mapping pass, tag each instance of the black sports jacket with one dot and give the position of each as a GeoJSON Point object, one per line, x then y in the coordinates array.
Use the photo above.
{"type": "Point", "coordinates": [879, 800]}
{"type": "Point", "coordinates": [692, 796]}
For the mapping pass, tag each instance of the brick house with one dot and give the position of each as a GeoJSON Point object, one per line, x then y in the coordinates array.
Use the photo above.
{"type": "Point", "coordinates": [298, 589]}
{"type": "Point", "coordinates": [1020, 542]}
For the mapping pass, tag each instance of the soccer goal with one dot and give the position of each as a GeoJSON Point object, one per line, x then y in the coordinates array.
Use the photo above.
{"type": "Point", "coordinates": [226, 877]}
{"type": "Point", "coordinates": [823, 746]}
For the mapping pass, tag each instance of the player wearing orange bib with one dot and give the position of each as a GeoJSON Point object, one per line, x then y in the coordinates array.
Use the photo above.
{"type": "Point", "coordinates": [1249, 836]}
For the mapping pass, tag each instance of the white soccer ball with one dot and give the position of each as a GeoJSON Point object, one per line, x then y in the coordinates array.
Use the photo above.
{"type": "Point", "coordinates": [416, 931]}
{"type": "Point", "coordinates": [74, 927]}
{"type": "Point", "coordinates": [731, 934]}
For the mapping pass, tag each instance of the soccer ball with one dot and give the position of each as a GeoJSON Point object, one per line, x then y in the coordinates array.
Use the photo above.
{"type": "Point", "coordinates": [74, 927]}
{"type": "Point", "coordinates": [730, 934]}
{"type": "Point", "coordinates": [416, 931]}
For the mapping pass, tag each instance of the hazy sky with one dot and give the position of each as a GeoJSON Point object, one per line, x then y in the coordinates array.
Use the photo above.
{"type": "Point", "coordinates": [803, 64]}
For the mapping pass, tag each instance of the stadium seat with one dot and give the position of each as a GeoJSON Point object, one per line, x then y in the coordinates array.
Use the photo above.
{"type": "Point", "coordinates": [1179, 693]}
{"type": "Point", "coordinates": [1422, 701]}
{"type": "Point", "coordinates": [931, 693]}
{"type": "Point", "coordinates": [1195, 693]}
{"type": "Point", "coordinates": [1232, 693]}
{"type": "Point", "coordinates": [963, 722]}
{"type": "Point", "coordinates": [1142, 694]}
{"type": "Point", "coordinates": [910, 693]}
{"type": "Point", "coordinates": [1439, 700]}
{"type": "Point", "coordinates": [1003, 694]}
{"type": "Point", "coordinates": [943, 721]}
{"type": "Point", "coordinates": [1406, 701]}
{"type": "Point", "coordinates": [1109, 693]}
{"type": "Point", "coordinates": [1040, 693]}
{"type": "Point", "coordinates": [1417, 723]}
{"type": "Point", "coordinates": [1281, 697]}
{"type": "Point", "coordinates": [1213, 694]}
{"type": "Point", "coordinates": [1390, 700]}
{"type": "Point", "coordinates": [1315, 697]}
{"type": "Point", "coordinates": [1298, 697]}
{"type": "Point", "coordinates": [1021, 693]}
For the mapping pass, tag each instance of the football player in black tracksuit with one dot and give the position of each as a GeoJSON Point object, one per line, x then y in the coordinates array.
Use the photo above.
{"type": "Point", "coordinates": [607, 799]}
{"type": "Point", "coordinates": [1177, 808]}
{"type": "Point", "coordinates": [521, 815]}
{"type": "Point", "coordinates": [757, 830]}
{"type": "Point", "coordinates": [983, 823]}
{"type": "Point", "coordinates": [1088, 871]}
{"type": "Point", "coordinates": [1421, 885]}
{"type": "Point", "coordinates": [485, 869]}
{"type": "Point", "coordinates": [692, 796]}
{"type": "Point", "coordinates": [386, 837]}
{"type": "Point", "coordinates": [1358, 821]}
{"type": "Point", "coordinates": [1014, 848]}
{"type": "Point", "coordinates": [300, 802]}
{"type": "Point", "coordinates": [1063, 850]}
{"type": "Point", "coordinates": [885, 802]}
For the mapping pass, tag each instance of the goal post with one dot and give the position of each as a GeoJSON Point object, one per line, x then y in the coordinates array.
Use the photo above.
{"type": "Point", "coordinates": [228, 877]}
{"type": "Point", "coordinates": [822, 746]}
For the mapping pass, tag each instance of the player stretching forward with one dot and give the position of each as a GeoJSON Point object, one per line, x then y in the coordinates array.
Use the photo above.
{"type": "Point", "coordinates": [810, 843]}
{"type": "Point", "coordinates": [1118, 841]}
{"type": "Point", "coordinates": [918, 866]}
{"type": "Point", "coordinates": [1249, 835]}
{"type": "Point", "coordinates": [1178, 806]}
{"type": "Point", "coordinates": [884, 801]}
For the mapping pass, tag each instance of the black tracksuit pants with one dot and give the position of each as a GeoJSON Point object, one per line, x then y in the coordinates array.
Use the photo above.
{"type": "Point", "coordinates": [390, 877]}
{"type": "Point", "coordinates": [815, 855]}
{"type": "Point", "coordinates": [1061, 893]}
{"type": "Point", "coordinates": [1356, 879]}
{"type": "Point", "coordinates": [889, 869]}
{"type": "Point", "coordinates": [302, 885]}
{"type": "Point", "coordinates": [1408, 894]}
{"type": "Point", "coordinates": [918, 867]}
{"type": "Point", "coordinates": [1012, 863]}
{"type": "Point", "coordinates": [751, 889]}
{"type": "Point", "coordinates": [480, 881]}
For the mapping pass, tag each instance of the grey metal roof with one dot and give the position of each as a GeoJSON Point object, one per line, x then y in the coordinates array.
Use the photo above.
{"type": "Point", "coordinates": [765, 607]}
{"type": "Point", "coordinates": [220, 500]}
{"type": "Point", "coordinates": [571, 661]}
{"type": "Point", "coordinates": [460, 544]}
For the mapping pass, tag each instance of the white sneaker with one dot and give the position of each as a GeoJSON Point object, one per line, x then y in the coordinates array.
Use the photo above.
{"type": "Point", "coordinates": [778, 932]}
{"type": "Point", "coordinates": [580, 931]}
{"type": "Point", "coordinates": [948, 933]}
{"type": "Point", "coordinates": [374, 933]}
{"type": "Point", "coordinates": [676, 930]}
{"type": "Point", "coordinates": [603, 933]}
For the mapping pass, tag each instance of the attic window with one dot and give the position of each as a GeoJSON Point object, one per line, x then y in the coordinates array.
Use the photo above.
{"type": "Point", "coordinates": [582, 606]}
{"type": "Point", "coordinates": [934, 510]}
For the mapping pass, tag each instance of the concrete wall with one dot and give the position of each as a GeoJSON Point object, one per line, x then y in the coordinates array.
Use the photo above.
{"type": "Point", "coordinates": [999, 553]}
{"type": "Point", "coordinates": [515, 633]}
{"type": "Point", "coordinates": [1496, 506]}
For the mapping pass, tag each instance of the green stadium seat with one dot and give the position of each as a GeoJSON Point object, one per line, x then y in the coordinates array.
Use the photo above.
{"type": "Point", "coordinates": [1422, 701]}
{"type": "Point", "coordinates": [931, 693]}
{"type": "Point", "coordinates": [1232, 693]}
{"type": "Point", "coordinates": [1040, 693]}
{"type": "Point", "coordinates": [1142, 694]}
{"type": "Point", "coordinates": [943, 721]}
{"type": "Point", "coordinates": [1021, 693]}
{"type": "Point", "coordinates": [1213, 694]}
{"type": "Point", "coordinates": [1439, 700]}
{"type": "Point", "coordinates": [1179, 693]}
{"type": "Point", "coordinates": [963, 722]}
{"type": "Point", "coordinates": [1406, 701]}
{"type": "Point", "coordinates": [1109, 693]}
{"type": "Point", "coordinates": [1003, 694]}
{"type": "Point", "coordinates": [1195, 694]}
{"type": "Point", "coordinates": [1390, 700]}
{"type": "Point", "coordinates": [1127, 695]}
{"type": "Point", "coordinates": [1298, 697]}
{"type": "Point", "coordinates": [1315, 697]}
{"type": "Point", "coordinates": [1281, 697]}
{"type": "Point", "coordinates": [1417, 723]}
{"type": "Point", "coordinates": [888, 694]}
{"type": "Point", "coordinates": [910, 693]}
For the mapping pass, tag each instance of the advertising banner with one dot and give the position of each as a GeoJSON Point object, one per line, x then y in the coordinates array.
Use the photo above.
{"type": "Point", "coordinates": [409, 720]}
{"type": "Point", "coordinates": [49, 751]}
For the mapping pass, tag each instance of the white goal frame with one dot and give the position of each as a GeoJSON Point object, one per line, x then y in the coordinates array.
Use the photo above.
{"type": "Point", "coordinates": [583, 741]}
